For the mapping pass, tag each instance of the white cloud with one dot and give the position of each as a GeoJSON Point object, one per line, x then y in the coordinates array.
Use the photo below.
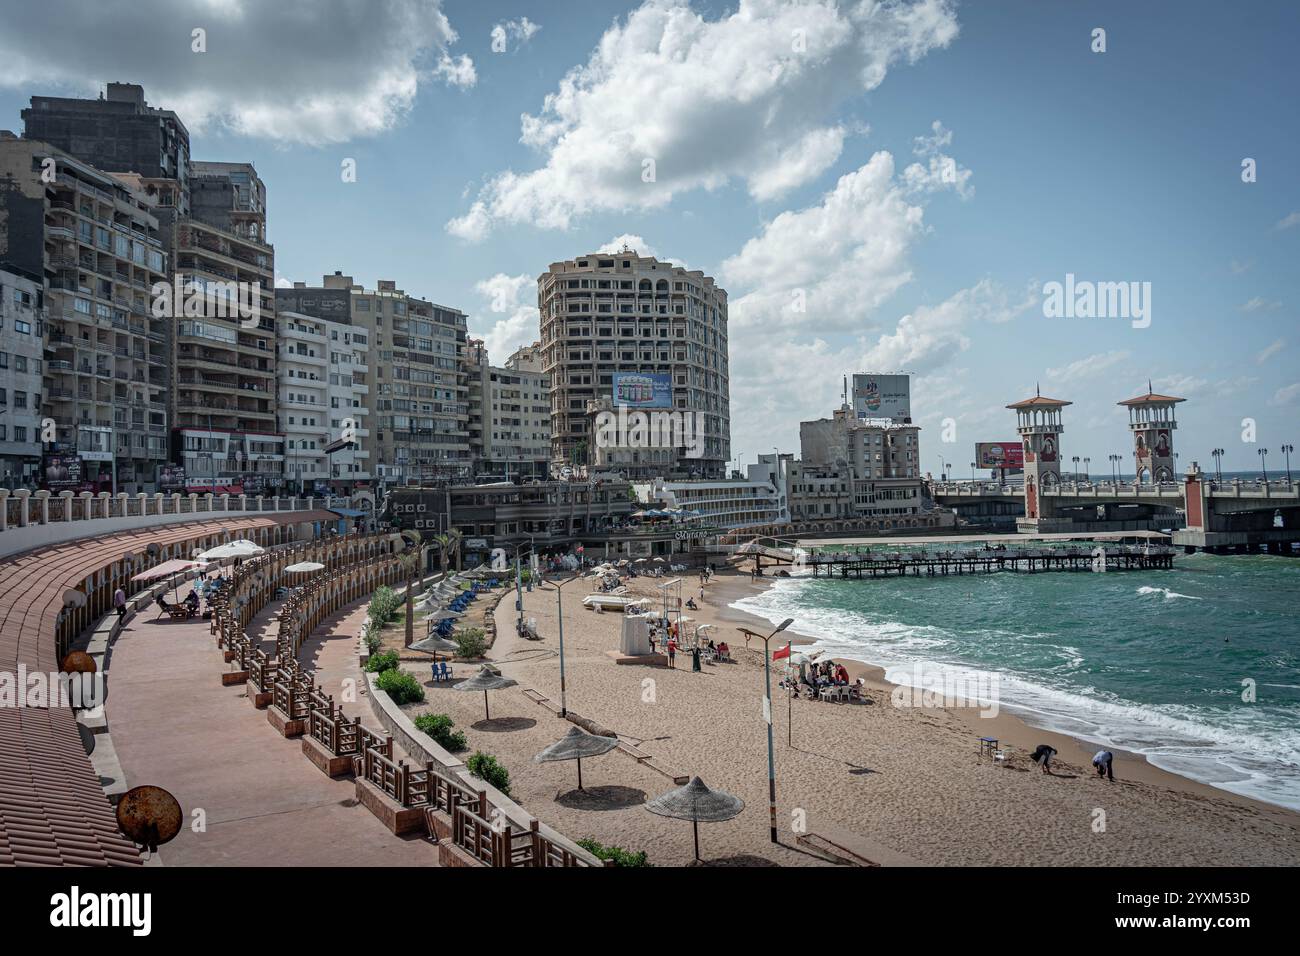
{"type": "Point", "coordinates": [456, 71]}
{"type": "Point", "coordinates": [1258, 304]}
{"type": "Point", "coordinates": [303, 71]}
{"type": "Point", "coordinates": [513, 298]}
{"type": "Point", "coordinates": [1087, 367]}
{"type": "Point", "coordinates": [628, 241]}
{"type": "Point", "coordinates": [931, 335]}
{"type": "Point", "coordinates": [940, 171]}
{"type": "Point", "coordinates": [1286, 222]}
{"type": "Point", "coordinates": [520, 31]}
{"type": "Point", "coordinates": [743, 97]}
{"type": "Point", "coordinates": [1269, 351]}
{"type": "Point", "coordinates": [1287, 395]}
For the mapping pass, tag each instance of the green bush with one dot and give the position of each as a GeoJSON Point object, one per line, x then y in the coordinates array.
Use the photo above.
{"type": "Point", "coordinates": [400, 686]}
{"type": "Point", "coordinates": [485, 767]}
{"type": "Point", "coordinates": [383, 605]}
{"type": "Point", "coordinates": [438, 726]}
{"type": "Point", "coordinates": [372, 638]}
{"type": "Point", "coordinates": [620, 856]}
{"type": "Point", "coordinates": [379, 663]}
{"type": "Point", "coordinates": [472, 641]}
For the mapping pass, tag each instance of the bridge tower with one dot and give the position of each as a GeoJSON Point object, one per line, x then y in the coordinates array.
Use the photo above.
{"type": "Point", "coordinates": [1152, 421]}
{"type": "Point", "coordinates": [1038, 420]}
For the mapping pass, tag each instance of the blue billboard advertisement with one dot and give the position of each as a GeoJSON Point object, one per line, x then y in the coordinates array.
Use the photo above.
{"type": "Point", "coordinates": [643, 389]}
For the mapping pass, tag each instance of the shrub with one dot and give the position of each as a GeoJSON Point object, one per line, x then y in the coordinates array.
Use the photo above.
{"type": "Point", "coordinates": [472, 641]}
{"type": "Point", "coordinates": [485, 767]}
{"type": "Point", "coordinates": [379, 663]}
{"type": "Point", "coordinates": [372, 637]}
{"type": "Point", "coordinates": [438, 726]}
{"type": "Point", "coordinates": [400, 686]}
{"type": "Point", "coordinates": [383, 605]}
{"type": "Point", "coordinates": [620, 856]}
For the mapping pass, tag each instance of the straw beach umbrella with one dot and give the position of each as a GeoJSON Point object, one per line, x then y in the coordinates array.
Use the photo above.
{"type": "Point", "coordinates": [304, 567]}
{"type": "Point", "coordinates": [697, 803]}
{"type": "Point", "coordinates": [433, 644]}
{"type": "Point", "coordinates": [575, 745]}
{"type": "Point", "coordinates": [485, 680]}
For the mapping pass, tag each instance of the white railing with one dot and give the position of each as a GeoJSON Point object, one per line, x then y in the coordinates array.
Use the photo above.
{"type": "Point", "coordinates": [25, 509]}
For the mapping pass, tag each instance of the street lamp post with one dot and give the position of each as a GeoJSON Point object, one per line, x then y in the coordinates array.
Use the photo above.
{"type": "Point", "coordinates": [1075, 459]}
{"type": "Point", "coordinates": [559, 610]}
{"type": "Point", "coordinates": [1087, 471]}
{"type": "Point", "coordinates": [1263, 463]}
{"type": "Point", "coordinates": [1114, 469]}
{"type": "Point", "coordinates": [972, 472]}
{"type": "Point", "coordinates": [767, 716]}
{"type": "Point", "coordinates": [1218, 463]}
{"type": "Point", "coordinates": [1286, 450]}
{"type": "Point", "coordinates": [943, 469]}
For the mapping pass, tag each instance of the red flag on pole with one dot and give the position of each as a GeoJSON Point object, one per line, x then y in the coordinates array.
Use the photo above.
{"type": "Point", "coordinates": [782, 654]}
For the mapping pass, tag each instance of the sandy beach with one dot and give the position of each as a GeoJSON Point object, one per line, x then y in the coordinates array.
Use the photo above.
{"type": "Point", "coordinates": [874, 782]}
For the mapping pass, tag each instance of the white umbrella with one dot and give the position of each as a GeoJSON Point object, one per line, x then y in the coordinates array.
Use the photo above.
{"type": "Point", "coordinates": [302, 567]}
{"type": "Point", "coordinates": [234, 549]}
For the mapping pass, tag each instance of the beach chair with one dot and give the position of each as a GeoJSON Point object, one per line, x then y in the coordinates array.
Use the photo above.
{"type": "Point", "coordinates": [441, 672]}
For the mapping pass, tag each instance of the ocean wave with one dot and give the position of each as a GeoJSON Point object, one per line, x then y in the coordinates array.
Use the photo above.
{"type": "Point", "coordinates": [1169, 595]}
{"type": "Point", "coordinates": [1242, 750]}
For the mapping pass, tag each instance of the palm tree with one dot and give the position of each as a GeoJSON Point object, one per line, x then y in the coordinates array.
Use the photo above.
{"type": "Point", "coordinates": [412, 560]}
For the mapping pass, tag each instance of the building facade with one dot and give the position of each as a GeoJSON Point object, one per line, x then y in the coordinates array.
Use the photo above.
{"type": "Point", "coordinates": [95, 246]}
{"type": "Point", "coordinates": [629, 329]}
{"type": "Point", "coordinates": [509, 414]}
{"type": "Point", "coordinates": [22, 341]}
{"type": "Point", "coordinates": [416, 377]}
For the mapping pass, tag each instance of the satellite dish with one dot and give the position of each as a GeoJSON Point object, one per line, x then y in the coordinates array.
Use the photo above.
{"type": "Point", "coordinates": [149, 816]}
{"type": "Point", "coordinates": [74, 598]}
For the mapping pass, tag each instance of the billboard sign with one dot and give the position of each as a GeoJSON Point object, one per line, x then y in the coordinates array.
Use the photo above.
{"type": "Point", "coordinates": [63, 472]}
{"type": "Point", "coordinates": [883, 396]}
{"type": "Point", "coordinates": [171, 478]}
{"type": "Point", "coordinates": [643, 389]}
{"type": "Point", "coordinates": [999, 454]}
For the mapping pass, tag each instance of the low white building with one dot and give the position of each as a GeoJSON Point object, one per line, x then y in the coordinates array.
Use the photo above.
{"type": "Point", "coordinates": [757, 501]}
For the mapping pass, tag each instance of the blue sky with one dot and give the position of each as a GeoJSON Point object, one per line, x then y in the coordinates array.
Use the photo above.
{"type": "Point", "coordinates": [1115, 166]}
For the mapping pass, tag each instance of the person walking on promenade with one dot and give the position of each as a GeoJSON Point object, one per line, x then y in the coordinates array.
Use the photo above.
{"type": "Point", "coordinates": [672, 652]}
{"type": "Point", "coordinates": [119, 602]}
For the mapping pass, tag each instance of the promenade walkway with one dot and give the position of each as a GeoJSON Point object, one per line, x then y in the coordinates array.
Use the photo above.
{"type": "Point", "coordinates": [175, 726]}
{"type": "Point", "coordinates": [52, 807]}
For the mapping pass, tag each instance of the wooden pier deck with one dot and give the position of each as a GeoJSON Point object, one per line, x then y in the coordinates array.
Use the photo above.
{"type": "Point", "coordinates": [1023, 560]}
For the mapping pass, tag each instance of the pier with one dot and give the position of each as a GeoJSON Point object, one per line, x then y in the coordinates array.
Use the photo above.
{"type": "Point", "coordinates": [990, 561]}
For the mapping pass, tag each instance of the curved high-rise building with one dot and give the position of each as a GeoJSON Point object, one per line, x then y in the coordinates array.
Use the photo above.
{"type": "Point", "coordinates": [619, 329]}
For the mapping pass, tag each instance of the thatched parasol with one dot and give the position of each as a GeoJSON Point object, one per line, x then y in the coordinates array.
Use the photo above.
{"type": "Point", "coordinates": [697, 803]}
{"type": "Point", "coordinates": [434, 644]}
{"type": "Point", "coordinates": [575, 745]}
{"type": "Point", "coordinates": [485, 680]}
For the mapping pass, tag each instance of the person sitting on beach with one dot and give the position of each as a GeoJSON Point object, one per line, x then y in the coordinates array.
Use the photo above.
{"type": "Point", "coordinates": [724, 652]}
{"type": "Point", "coordinates": [690, 603]}
{"type": "Point", "coordinates": [1043, 755]}
{"type": "Point", "coordinates": [1104, 761]}
{"type": "Point", "coordinates": [841, 674]}
{"type": "Point", "coordinates": [192, 599]}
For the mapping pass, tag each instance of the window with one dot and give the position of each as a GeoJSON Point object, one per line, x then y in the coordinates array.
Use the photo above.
{"type": "Point", "coordinates": [20, 433]}
{"type": "Point", "coordinates": [20, 399]}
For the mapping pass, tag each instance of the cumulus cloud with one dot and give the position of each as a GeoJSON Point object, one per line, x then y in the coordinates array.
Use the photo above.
{"type": "Point", "coordinates": [939, 171]}
{"type": "Point", "coordinates": [628, 241]}
{"type": "Point", "coordinates": [301, 71]}
{"type": "Point", "coordinates": [670, 102]}
{"type": "Point", "coordinates": [1287, 221]}
{"type": "Point", "coordinates": [519, 31]}
{"type": "Point", "coordinates": [513, 298]}
{"type": "Point", "coordinates": [1259, 304]}
{"type": "Point", "coordinates": [1286, 395]}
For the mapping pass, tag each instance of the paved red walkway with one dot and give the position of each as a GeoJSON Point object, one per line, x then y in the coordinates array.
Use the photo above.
{"type": "Point", "coordinates": [53, 809]}
{"type": "Point", "coordinates": [174, 725]}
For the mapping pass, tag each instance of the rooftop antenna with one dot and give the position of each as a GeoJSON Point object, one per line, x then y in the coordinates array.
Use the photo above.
{"type": "Point", "coordinates": [1150, 390]}
{"type": "Point", "coordinates": [1037, 391]}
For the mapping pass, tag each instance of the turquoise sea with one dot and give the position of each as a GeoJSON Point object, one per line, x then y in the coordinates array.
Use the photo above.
{"type": "Point", "coordinates": [1155, 662]}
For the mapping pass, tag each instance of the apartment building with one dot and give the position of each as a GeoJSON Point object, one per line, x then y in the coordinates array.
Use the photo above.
{"type": "Point", "coordinates": [323, 404]}
{"type": "Point", "coordinates": [96, 246]}
{"type": "Point", "coordinates": [509, 414]}
{"type": "Point", "coordinates": [417, 377]}
{"type": "Point", "coordinates": [22, 322]}
{"type": "Point", "coordinates": [219, 333]}
{"type": "Point", "coordinates": [631, 330]}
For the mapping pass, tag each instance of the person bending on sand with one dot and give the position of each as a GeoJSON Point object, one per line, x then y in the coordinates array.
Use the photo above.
{"type": "Point", "coordinates": [1043, 757]}
{"type": "Point", "coordinates": [1104, 762]}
